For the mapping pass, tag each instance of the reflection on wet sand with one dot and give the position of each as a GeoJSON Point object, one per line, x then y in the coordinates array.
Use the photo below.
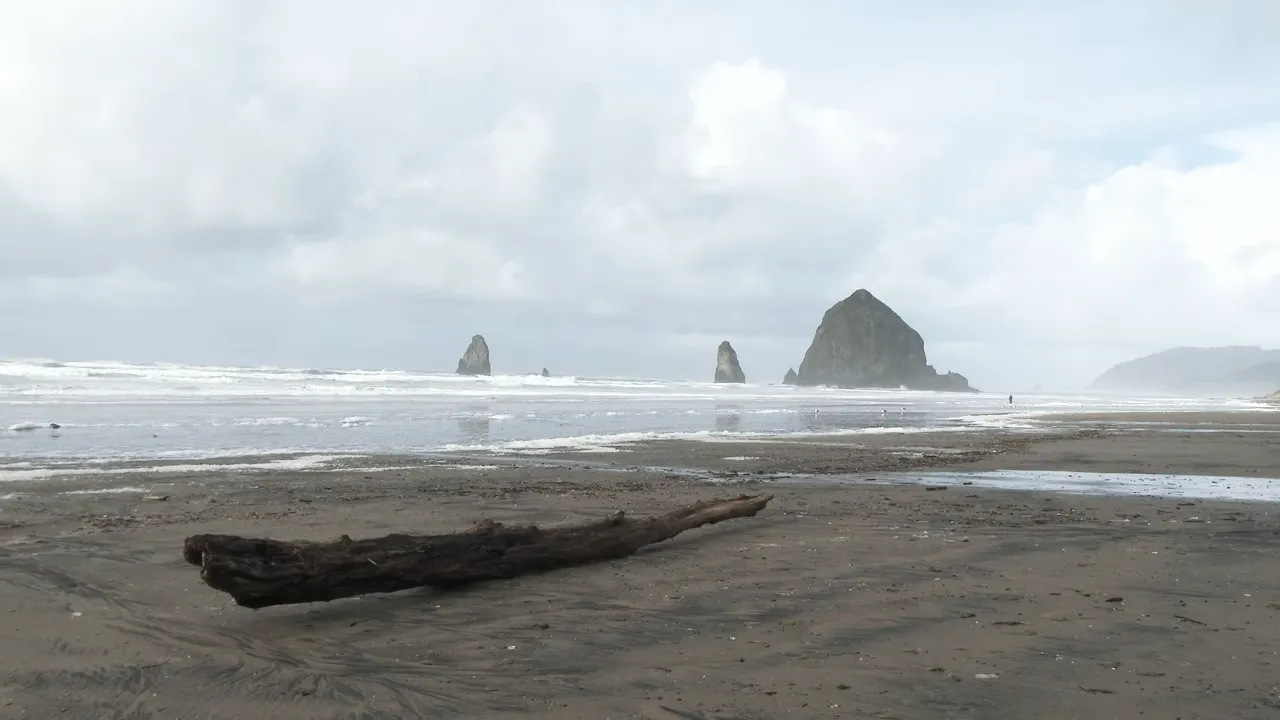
{"type": "Point", "coordinates": [474, 424]}
{"type": "Point", "coordinates": [728, 420]}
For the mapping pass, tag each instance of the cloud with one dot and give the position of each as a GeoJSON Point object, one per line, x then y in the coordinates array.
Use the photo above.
{"type": "Point", "coordinates": [122, 287]}
{"type": "Point", "coordinates": [1157, 249]}
{"type": "Point", "coordinates": [1042, 190]}
{"type": "Point", "coordinates": [749, 134]}
{"type": "Point", "coordinates": [415, 262]}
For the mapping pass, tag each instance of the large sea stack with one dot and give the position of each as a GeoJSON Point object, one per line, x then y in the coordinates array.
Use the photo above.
{"type": "Point", "coordinates": [475, 361]}
{"type": "Point", "coordinates": [727, 368]}
{"type": "Point", "coordinates": [862, 343]}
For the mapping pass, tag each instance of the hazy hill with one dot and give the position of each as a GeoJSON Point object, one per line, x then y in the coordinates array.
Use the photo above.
{"type": "Point", "coordinates": [1236, 370]}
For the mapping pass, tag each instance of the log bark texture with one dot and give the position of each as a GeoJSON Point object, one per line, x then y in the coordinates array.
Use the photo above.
{"type": "Point", "coordinates": [259, 572]}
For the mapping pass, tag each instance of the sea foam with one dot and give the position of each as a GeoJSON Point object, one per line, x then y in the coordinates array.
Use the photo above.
{"type": "Point", "coordinates": [302, 463]}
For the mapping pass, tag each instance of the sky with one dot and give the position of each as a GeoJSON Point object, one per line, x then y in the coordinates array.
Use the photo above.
{"type": "Point", "coordinates": [1042, 189]}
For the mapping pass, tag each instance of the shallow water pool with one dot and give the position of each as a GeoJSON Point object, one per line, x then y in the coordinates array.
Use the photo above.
{"type": "Point", "coordinates": [1200, 487]}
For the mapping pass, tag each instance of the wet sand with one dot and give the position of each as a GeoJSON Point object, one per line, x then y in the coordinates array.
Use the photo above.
{"type": "Point", "coordinates": [838, 601]}
{"type": "Point", "coordinates": [1265, 419]}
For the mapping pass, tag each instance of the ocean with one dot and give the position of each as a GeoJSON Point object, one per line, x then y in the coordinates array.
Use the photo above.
{"type": "Point", "coordinates": [111, 411]}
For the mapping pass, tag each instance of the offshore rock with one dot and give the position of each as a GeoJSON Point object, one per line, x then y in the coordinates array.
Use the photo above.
{"type": "Point", "coordinates": [475, 361]}
{"type": "Point", "coordinates": [791, 378]}
{"type": "Point", "coordinates": [862, 343]}
{"type": "Point", "coordinates": [727, 368]}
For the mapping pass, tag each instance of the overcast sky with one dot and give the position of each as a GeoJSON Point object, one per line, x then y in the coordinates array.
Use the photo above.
{"type": "Point", "coordinates": [1040, 188]}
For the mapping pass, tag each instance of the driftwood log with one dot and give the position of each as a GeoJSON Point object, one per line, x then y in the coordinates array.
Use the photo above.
{"type": "Point", "coordinates": [260, 573]}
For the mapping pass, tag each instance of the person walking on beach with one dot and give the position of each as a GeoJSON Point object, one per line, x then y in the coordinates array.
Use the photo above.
{"type": "Point", "coordinates": [1011, 400]}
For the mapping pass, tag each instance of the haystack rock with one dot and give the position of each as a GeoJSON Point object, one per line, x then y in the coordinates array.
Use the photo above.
{"type": "Point", "coordinates": [791, 378]}
{"type": "Point", "coordinates": [861, 342]}
{"type": "Point", "coordinates": [727, 368]}
{"type": "Point", "coordinates": [475, 361]}
{"type": "Point", "coordinates": [546, 372]}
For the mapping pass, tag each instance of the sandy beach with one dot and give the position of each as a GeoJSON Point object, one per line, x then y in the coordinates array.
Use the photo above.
{"type": "Point", "coordinates": [845, 599]}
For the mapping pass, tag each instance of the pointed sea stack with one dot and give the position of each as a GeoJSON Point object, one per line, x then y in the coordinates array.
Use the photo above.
{"type": "Point", "coordinates": [475, 361]}
{"type": "Point", "coordinates": [727, 368]}
{"type": "Point", "coordinates": [862, 343]}
{"type": "Point", "coordinates": [546, 372]}
{"type": "Point", "coordinates": [791, 378]}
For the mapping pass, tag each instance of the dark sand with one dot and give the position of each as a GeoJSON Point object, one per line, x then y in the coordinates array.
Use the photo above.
{"type": "Point", "coordinates": [838, 601]}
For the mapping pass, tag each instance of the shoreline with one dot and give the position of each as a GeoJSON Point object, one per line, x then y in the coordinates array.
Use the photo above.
{"type": "Point", "coordinates": [71, 443]}
{"type": "Point", "coordinates": [1237, 444]}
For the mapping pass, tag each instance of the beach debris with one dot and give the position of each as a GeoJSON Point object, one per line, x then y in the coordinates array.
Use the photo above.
{"type": "Point", "coordinates": [155, 498]}
{"type": "Point", "coordinates": [259, 572]}
{"type": "Point", "coordinates": [986, 676]}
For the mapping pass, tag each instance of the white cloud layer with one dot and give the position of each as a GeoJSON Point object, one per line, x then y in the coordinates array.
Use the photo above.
{"type": "Point", "coordinates": [1042, 189]}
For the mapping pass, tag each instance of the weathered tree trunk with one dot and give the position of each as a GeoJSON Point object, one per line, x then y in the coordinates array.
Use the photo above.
{"type": "Point", "coordinates": [260, 573]}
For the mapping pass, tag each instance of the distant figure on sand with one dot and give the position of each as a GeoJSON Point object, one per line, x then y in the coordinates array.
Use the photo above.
{"type": "Point", "coordinates": [1010, 399]}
